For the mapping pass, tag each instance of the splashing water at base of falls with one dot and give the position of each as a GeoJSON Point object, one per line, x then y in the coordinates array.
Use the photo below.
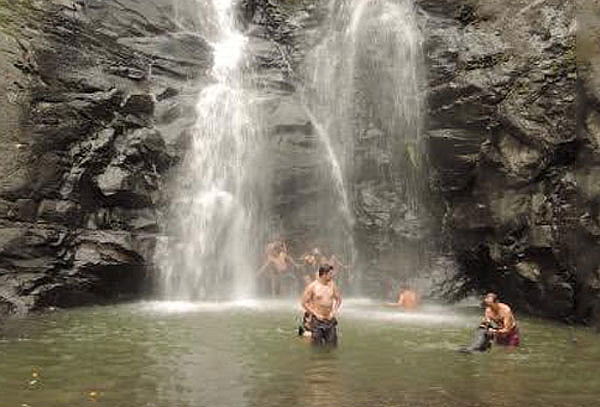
{"type": "Point", "coordinates": [215, 211]}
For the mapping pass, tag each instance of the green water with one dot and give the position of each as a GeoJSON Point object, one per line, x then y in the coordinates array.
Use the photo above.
{"type": "Point", "coordinates": [234, 355]}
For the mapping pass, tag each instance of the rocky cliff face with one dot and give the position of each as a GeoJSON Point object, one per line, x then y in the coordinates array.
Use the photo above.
{"type": "Point", "coordinates": [514, 158]}
{"type": "Point", "coordinates": [90, 91]}
{"type": "Point", "coordinates": [391, 239]}
{"type": "Point", "coordinates": [512, 118]}
{"type": "Point", "coordinates": [99, 94]}
{"type": "Point", "coordinates": [585, 255]}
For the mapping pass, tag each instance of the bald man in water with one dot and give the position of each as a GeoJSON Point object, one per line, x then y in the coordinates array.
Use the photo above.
{"type": "Point", "coordinates": [321, 301]}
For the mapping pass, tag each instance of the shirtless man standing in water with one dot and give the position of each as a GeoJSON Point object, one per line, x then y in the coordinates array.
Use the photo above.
{"type": "Point", "coordinates": [321, 301]}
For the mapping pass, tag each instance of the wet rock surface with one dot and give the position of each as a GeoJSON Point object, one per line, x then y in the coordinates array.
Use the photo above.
{"type": "Point", "coordinates": [516, 166]}
{"type": "Point", "coordinates": [390, 237]}
{"type": "Point", "coordinates": [512, 134]}
{"type": "Point", "coordinates": [89, 90]}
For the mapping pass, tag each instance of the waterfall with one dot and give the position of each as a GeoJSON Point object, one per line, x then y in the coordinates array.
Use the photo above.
{"type": "Point", "coordinates": [365, 76]}
{"type": "Point", "coordinates": [213, 223]}
{"type": "Point", "coordinates": [364, 95]}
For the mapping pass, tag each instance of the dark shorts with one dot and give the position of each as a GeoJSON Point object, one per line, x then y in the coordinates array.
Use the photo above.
{"type": "Point", "coordinates": [510, 339]}
{"type": "Point", "coordinates": [323, 332]}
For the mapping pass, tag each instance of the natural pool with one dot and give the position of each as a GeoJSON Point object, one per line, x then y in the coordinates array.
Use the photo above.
{"type": "Point", "coordinates": [156, 354]}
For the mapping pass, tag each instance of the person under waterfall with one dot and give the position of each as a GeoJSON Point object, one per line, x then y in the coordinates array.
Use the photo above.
{"type": "Point", "coordinates": [338, 266]}
{"type": "Point", "coordinates": [501, 316]}
{"type": "Point", "coordinates": [321, 302]}
{"type": "Point", "coordinates": [311, 261]}
{"type": "Point", "coordinates": [315, 258]}
{"type": "Point", "coordinates": [308, 271]}
{"type": "Point", "coordinates": [278, 266]}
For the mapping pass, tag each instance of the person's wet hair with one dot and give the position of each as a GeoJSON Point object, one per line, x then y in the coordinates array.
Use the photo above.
{"type": "Point", "coordinates": [324, 269]}
{"type": "Point", "coordinates": [494, 296]}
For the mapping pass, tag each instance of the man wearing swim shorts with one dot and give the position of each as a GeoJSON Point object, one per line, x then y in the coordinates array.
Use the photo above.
{"type": "Point", "coordinates": [321, 301]}
{"type": "Point", "coordinates": [500, 314]}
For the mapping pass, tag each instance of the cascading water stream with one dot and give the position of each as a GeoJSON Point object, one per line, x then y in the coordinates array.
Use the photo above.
{"type": "Point", "coordinates": [366, 74]}
{"type": "Point", "coordinates": [214, 217]}
{"type": "Point", "coordinates": [363, 95]}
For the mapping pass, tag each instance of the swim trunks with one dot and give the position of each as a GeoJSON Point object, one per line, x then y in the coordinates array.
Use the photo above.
{"type": "Point", "coordinates": [323, 332]}
{"type": "Point", "coordinates": [510, 339]}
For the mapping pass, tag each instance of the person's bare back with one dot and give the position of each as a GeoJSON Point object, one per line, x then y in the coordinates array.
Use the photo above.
{"type": "Point", "coordinates": [408, 299]}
